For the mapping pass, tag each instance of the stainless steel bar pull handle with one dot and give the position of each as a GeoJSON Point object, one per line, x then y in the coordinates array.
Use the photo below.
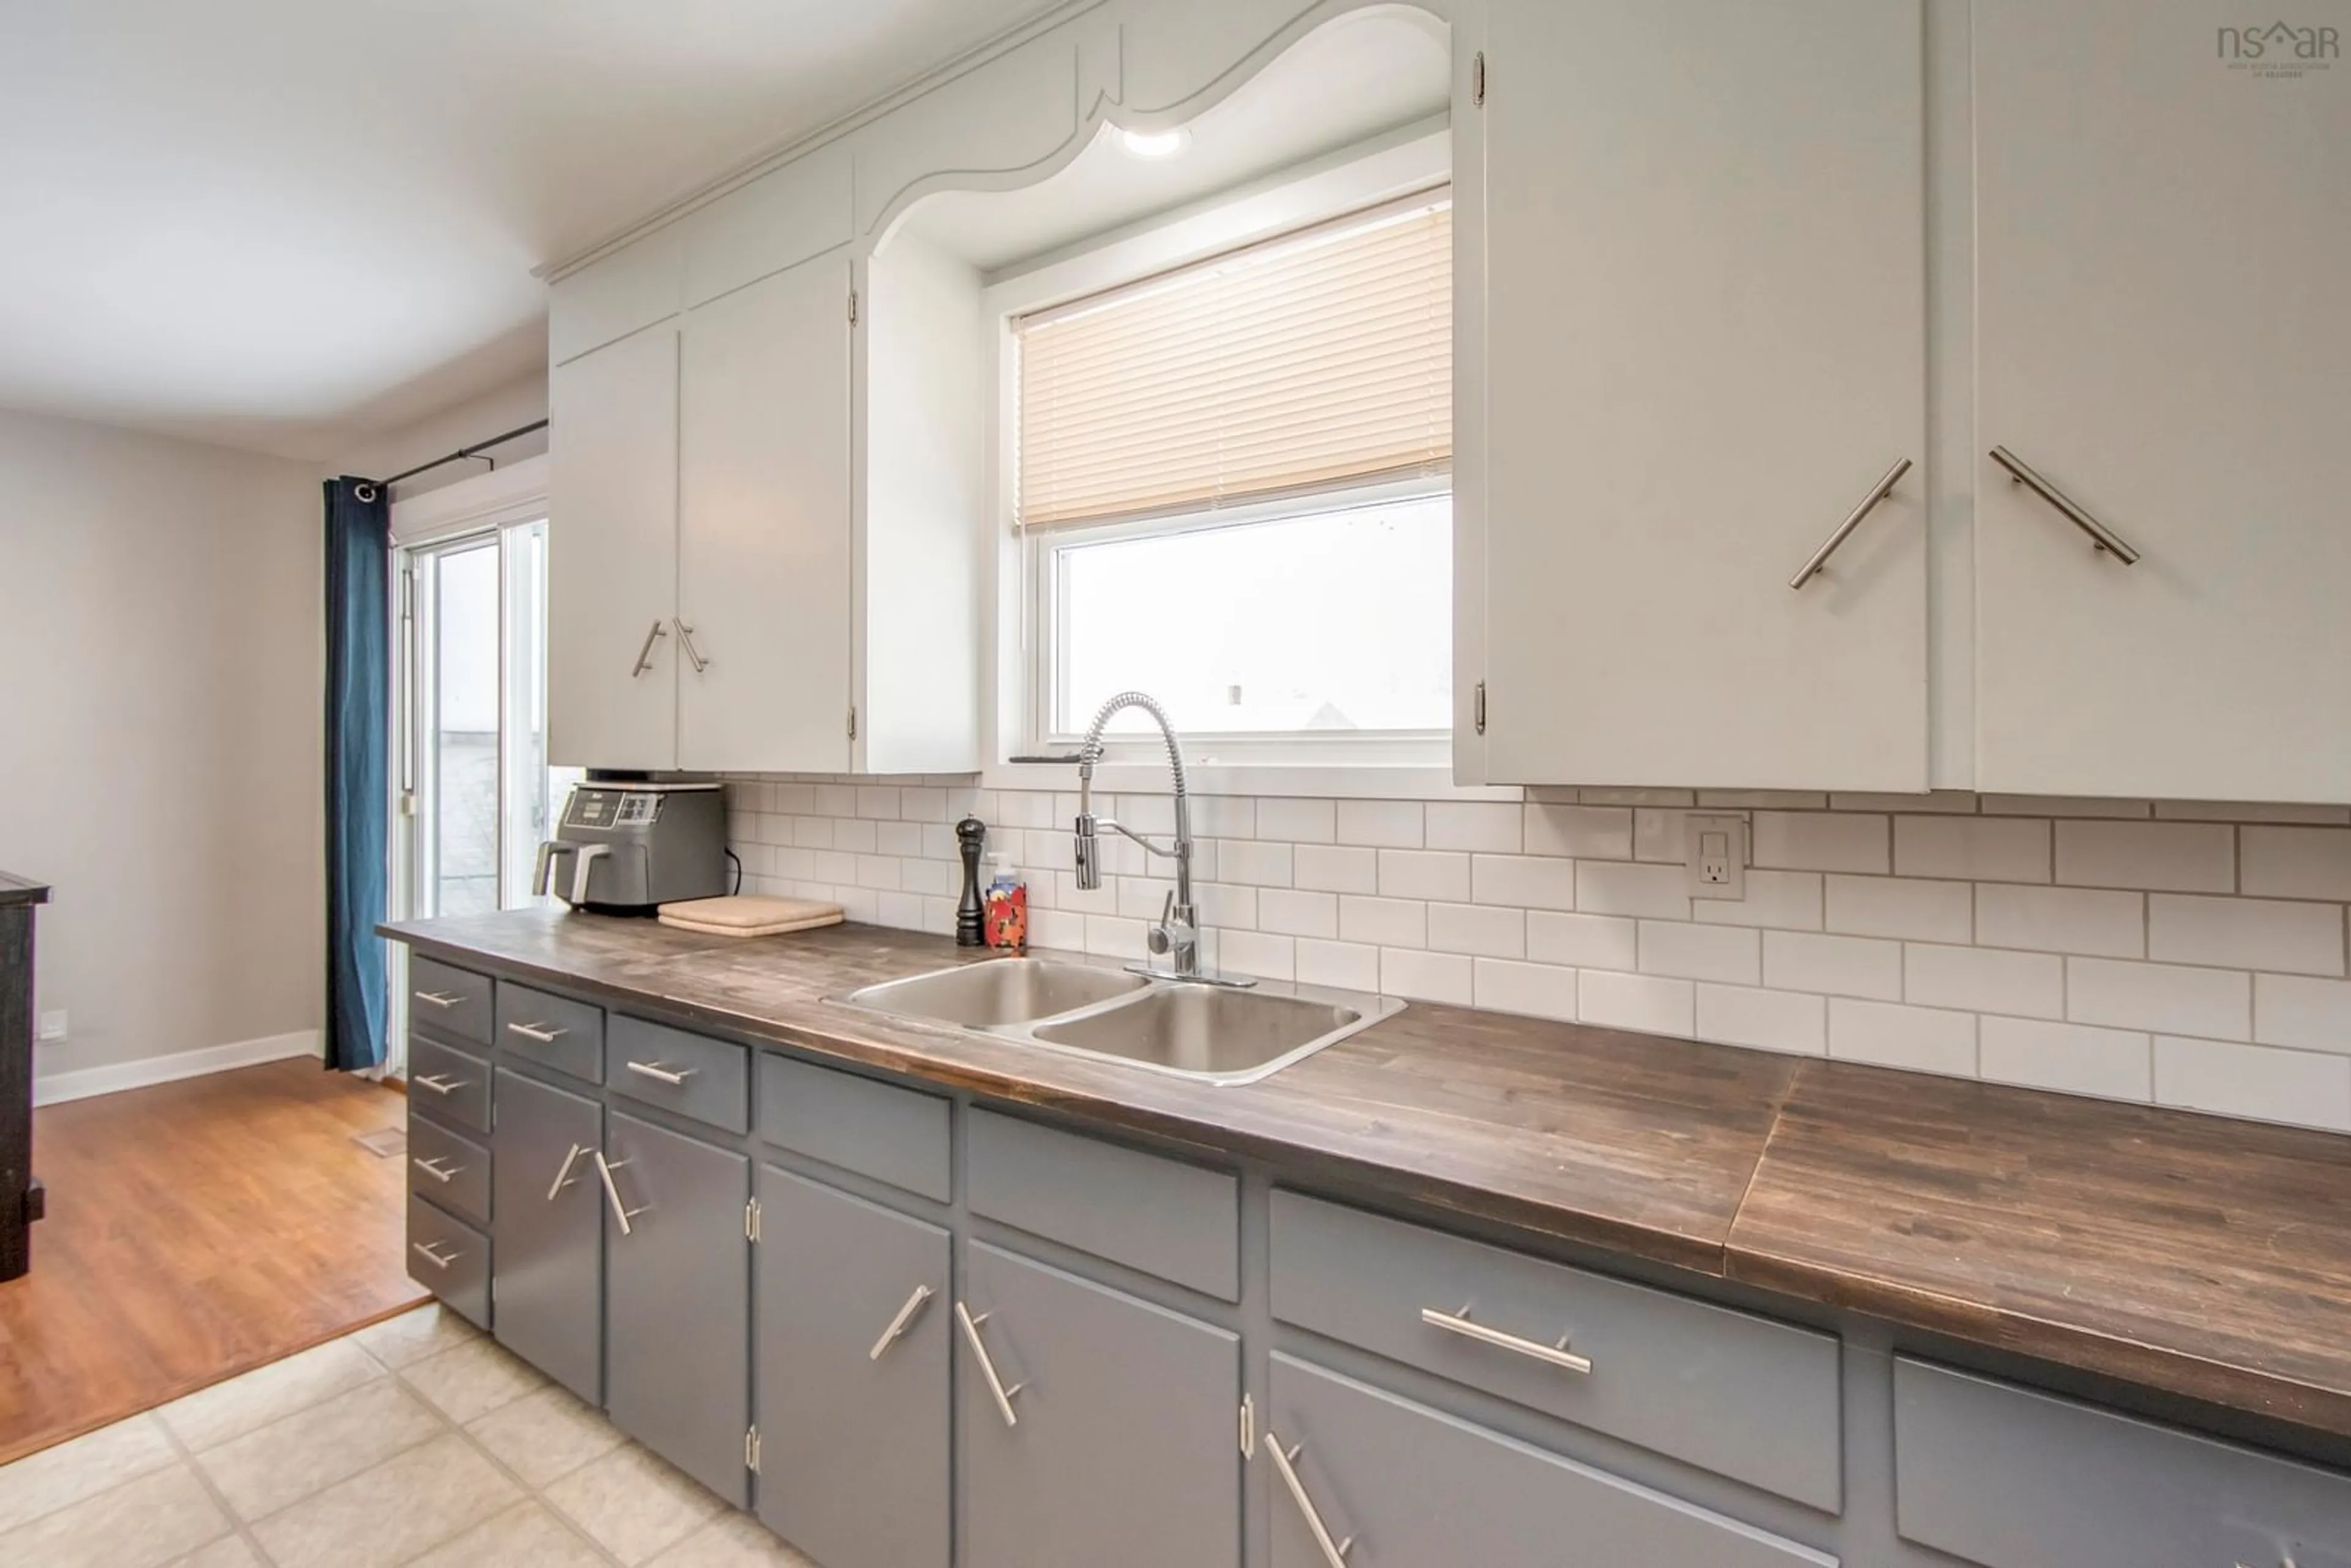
{"type": "Point", "coordinates": [685, 641]}
{"type": "Point", "coordinates": [996, 1388]}
{"type": "Point", "coordinates": [563, 1174]}
{"type": "Point", "coordinates": [1335, 1553]}
{"type": "Point", "coordinates": [438, 1082]}
{"type": "Point", "coordinates": [436, 998]}
{"type": "Point", "coordinates": [645, 653]}
{"type": "Point", "coordinates": [1854, 519]}
{"type": "Point", "coordinates": [2104, 538]}
{"type": "Point", "coordinates": [899, 1324]}
{"type": "Point", "coordinates": [539, 1032]}
{"type": "Point", "coordinates": [433, 1252]}
{"type": "Point", "coordinates": [662, 1073]}
{"type": "Point", "coordinates": [621, 1213]}
{"type": "Point", "coordinates": [1458, 1322]}
{"type": "Point", "coordinates": [439, 1170]}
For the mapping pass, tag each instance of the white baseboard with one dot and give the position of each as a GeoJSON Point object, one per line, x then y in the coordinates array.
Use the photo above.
{"type": "Point", "coordinates": [52, 1088]}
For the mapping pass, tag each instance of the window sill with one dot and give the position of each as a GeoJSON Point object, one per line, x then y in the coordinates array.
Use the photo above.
{"type": "Point", "coordinates": [1335, 781]}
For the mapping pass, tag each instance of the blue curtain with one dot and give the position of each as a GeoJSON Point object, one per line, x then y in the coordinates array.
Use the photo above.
{"type": "Point", "coordinates": [358, 741]}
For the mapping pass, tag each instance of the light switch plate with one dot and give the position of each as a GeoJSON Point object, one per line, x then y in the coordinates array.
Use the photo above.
{"type": "Point", "coordinates": [1715, 850]}
{"type": "Point", "coordinates": [53, 1027]}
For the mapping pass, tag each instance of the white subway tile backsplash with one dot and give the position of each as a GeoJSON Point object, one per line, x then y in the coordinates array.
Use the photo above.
{"type": "Point", "coordinates": [1901, 906]}
{"type": "Point", "coordinates": [2297, 863]}
{"type": "Point", "coordinates": [1384, 922]}
{"type": "Point", "coordinates": [1774, 1020]}
{"type": "Point", "coordinates": [1485, 930]}
{"type": "Point", "coordinates": [1328, 869]}
{"type": "Point", "coordinates": [1984, 980]}
{"type": "Point", "coordinates": [1783, 900]}
{"type": "Point", "coordinates": [1349, 966]}
{"type": "Point", "coordinates": [1297, 913]}
{"type": "Point", "coordinates": [2245, 934]}
{"type": "Point", "coordinates": [1923, 1039]}
{"type": "Point", "coordinates": [1834, 965]}
{"type": "Point", "coordinates": [1492, 826]}
{"type": "Point", "coordinates": [1626, 887]}
{"type": "Point", "coordinates": [1536, 990]}
{"type": "Point", "coordinates": [2165, 999]}
{"type": "Point", "coordinates": [1381, 824]}
{"type": "Point", "coordinates": [1644, 1002]}
{"type": "Point", "coordinates": [1427, 976]}
{"type": "Point", "coordinates": [2301, 1087]}
{"type": "Point", "coordinates": [1585, 941]}
{"type": "Point", "coordinates": [2115, 948]}
{"type": "Point", "coordinates": [2293, 1010]}
{"type": "Point", "coordinates": [1978, 849]}
{"type": "Point", "coordinates": [2116, 1064]}
{"type": "Point", "coordinates": [1732, 954]}
{"type": "Point", "coordinates": [1424, 873]}
{"type": "Point", "coordinates": [2175, 857]}
{"type": "Point", "coordinates": [1580, 832]}
{"type": "Point", "coordinates": [1299, 821]}
{"type": "Point", "coordinates": [1823, 840]}
{"type": "Point", "coordinates": [1254, 862]}
{"type": "Point", "coordinates": [2089, 921]}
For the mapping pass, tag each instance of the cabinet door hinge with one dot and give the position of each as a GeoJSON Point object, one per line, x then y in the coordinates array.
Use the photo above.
{"type": "Point", "coordinates": [751, 1219]}
{"type": "Point", "coordinates": [1479, 712]}
{"type": "Point", "coordinates": [1248, 1425]}
{"type": "Point", "coordinates": [751, 1450]}
{"type": "Point", "coordinates": [852, 724]}
{"type": "Point", "coordinates": [852, 308]}
{"type": "Point", "coordinates": [1478, 79]}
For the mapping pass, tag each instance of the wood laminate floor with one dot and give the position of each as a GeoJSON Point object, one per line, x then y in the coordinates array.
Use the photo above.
{"type": "Point", "coordinates": [197, 1231]}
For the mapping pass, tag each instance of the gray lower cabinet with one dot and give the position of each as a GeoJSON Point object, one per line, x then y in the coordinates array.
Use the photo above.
{"type": "Point", "coordinates": [854, 1321]}
{"type": "Point", "coordinates": [2012, 1477]}
{"type": "Point", "coordinates": [1093, 1427]}
{"type": "Point", "coordinates": [550, 1231]}
{"type": "Point", "coordinates": [1413, 1488]}
{"type": "Point", "coordinates": [678, 1300]}
{"type": "Point", "coordinates": [451, 1258]}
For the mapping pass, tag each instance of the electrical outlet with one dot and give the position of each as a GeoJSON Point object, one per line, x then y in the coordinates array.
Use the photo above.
{"type": "Point", "coordinates": [53, 1027]}
{"type": "Point", "coordinates": [1715, 849]}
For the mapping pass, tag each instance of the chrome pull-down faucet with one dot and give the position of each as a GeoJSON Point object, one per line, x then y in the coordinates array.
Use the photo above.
{"type": "Point", "coordinates": [1175, 939]}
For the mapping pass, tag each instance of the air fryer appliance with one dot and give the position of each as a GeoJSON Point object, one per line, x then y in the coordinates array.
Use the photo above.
{"type": "Point", "coordinates": [629, 848]}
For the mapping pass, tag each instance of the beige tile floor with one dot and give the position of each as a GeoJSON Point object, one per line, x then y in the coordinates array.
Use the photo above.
{"type": "Point", "coordinates": [415, 1441]}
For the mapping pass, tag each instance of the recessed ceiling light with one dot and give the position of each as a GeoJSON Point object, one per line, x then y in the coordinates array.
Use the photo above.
{"type": "Point", "coordinates": [1155, 144]}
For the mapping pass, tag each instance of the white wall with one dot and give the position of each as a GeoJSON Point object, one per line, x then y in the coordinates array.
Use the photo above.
{"type": "Point", "coordinates": [161, 735]}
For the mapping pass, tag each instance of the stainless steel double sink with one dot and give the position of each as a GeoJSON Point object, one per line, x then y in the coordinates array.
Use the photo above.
{"type": "Point", "coordinates": [1211, 1034]}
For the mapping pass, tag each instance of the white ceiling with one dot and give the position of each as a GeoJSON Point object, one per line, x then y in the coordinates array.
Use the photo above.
{"type": "Point", "coordinates": [287, 224]}
{"type": "Point", "coordinates": [1350, 79]}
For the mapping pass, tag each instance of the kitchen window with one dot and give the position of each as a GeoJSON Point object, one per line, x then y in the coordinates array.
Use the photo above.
{"type": "Point", "coordinates": [1233, 489]}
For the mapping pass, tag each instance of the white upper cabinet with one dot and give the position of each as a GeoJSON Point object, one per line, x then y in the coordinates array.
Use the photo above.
{"type": "Point", "coordinates": [778, 220]}
{"type": "Point", "coordinates": [612, 582]}
{"type": "Point", "coordinates": [2165, 251]}
{"type": "Point", "coordinates": [1705, 332]}
{"type": "Point", "coordinates": [630, 289]}
{"type": "Point", "coordinates": [764, 531]}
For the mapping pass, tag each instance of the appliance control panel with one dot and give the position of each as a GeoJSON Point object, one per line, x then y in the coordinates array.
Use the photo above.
{"type": "Point", "coordinates": [594, 806]}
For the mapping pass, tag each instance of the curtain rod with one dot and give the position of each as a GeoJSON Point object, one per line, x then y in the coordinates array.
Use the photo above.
{"type": "Point", "coordinates": [460, 455]}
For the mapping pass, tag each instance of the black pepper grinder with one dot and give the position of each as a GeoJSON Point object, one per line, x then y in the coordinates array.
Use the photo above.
{"type": "Point", "coordinates": [970, 833]}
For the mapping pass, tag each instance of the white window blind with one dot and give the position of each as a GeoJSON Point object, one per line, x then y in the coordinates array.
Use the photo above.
{"type": "Point", "coordinates": [1320, 361]}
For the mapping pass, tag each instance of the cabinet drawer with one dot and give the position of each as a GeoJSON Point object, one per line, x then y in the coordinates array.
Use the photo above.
{"type": "Point", "coordinates": [449, 1083]}
{"type": "Point", "coordinates": [1413, 1486]}
{"type": "Point", "coordinates": [1731, 1393]}
{"type": "Point", "coordinates": [892, 1135]}
{"type": "Point", "coordinates": [2011, 1479]}
{"type": "Point", "coordinates": [1178, 1222]}
{"type": "Point", "coordinates": [454, 1172]}
{"type": "Point", "coordinates": [455, 1001]}
{"type": "Point", "coordinates": [708, 1080]}
{"type": "Point", "coordinates": [451, 1258]}
{"type": "Point", "coordinates": [556, 1031]}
